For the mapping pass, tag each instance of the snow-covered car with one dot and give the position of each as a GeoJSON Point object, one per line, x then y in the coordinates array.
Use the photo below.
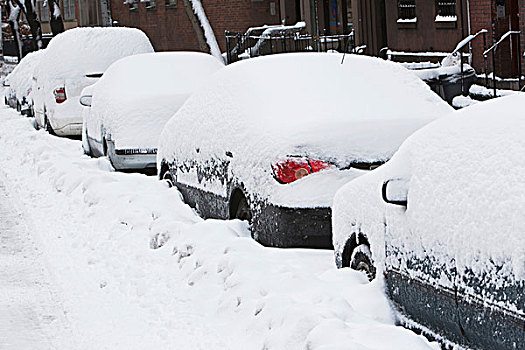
{"type": "Point", "coordinates": [20, 83]}
{"type": "Point", "coordinates": [133, 101]}
{"type": "Point", "coordinates": [443, 220]}
{"type": "Point", "coordinates": [243, 145]}
{"type": "Point", "coordinates": [73, 60]}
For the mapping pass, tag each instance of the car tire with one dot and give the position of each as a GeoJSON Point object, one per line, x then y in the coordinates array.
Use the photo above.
{"type": "Point", "coordinates": [47, 126]}
{"type": "Point", "coordinates": [243, 212]}
{"type": "Point", "coordinates": [18, 108]}
{"type": "Point", "coordinates": [361, 260]}
{"type": "Point", "coordinates": [168, 179]}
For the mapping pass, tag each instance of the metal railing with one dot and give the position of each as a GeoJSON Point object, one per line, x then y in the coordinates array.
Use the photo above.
{"type": "Point", "coordinates": [492, 50]}
{"type": "Point", "coordinates": [248, 45]}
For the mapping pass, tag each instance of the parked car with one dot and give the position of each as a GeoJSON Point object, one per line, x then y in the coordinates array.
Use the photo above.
{"type": "Point", "coordinates": [248, 145]}
{"type": "Point", "coordinates": [443, 220]}
{"type": "Point", "coordinates": [73, 60]}
{"type": "Point", "coordinates": [20, 83]}
{"type": "Point", "coordinates": [128, 111]}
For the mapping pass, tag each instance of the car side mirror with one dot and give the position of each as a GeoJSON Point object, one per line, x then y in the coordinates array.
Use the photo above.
{"type": "Point", "coordinates": [395, 191]}
{"type": "Point", "coordinates": [86, 100]}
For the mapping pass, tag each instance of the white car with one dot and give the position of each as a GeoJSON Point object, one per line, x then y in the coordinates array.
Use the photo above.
{"type": "Point", "coordinates": [18, 94]}
{"type": "Point", "coordinates": [271, 139]}
{"type": "Point", "coordinates": [443, 220]}
{"type": "Point", "coordinates": [134, 99]}
{"type": "Point", "coordinates": [73, 60]}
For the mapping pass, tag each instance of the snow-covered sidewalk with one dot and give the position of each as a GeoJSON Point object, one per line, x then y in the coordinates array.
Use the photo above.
{"type": "Point", "coordinates": [31, 312]}
{"type": "Point", "coordinates": [137, 269]}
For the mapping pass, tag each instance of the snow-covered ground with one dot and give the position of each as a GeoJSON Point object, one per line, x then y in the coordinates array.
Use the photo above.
{"type": "Point", "coordinates": [88, 237]}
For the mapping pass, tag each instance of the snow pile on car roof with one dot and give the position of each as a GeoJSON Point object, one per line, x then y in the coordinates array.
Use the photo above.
{"type": "Point", "coordinates": [21, 77]}
{"type": "Point", "coordinates": [271, 107]}
{"type": "Point", "coordinates": [81, 51]}
{"type": "Point", "coordinates": [466, 193]}
{"type": "Point", "coordinates": [133, 107]}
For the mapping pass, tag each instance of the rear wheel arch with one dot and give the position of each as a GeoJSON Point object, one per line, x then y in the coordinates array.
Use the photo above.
{"type": "Point", "coordinates": [350, 245]}
{"type": "Point", "coordinates": [238, 201]}
{"type": "Point", "coordinates": [357, 255]}
{"type": "Point", "coordinates": [165, 174]}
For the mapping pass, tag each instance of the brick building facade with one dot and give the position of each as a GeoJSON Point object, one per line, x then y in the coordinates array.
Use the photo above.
{"type": "Point", "coordinates": [167, 24]}
{"type": "Point", "coordinates": [427, 26]}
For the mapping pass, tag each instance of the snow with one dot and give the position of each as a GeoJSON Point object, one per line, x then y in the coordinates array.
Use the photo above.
{"type": "Point", "coordinates": [208, 31]}
{"type": "Point", "coordinates": [21, 78]}
{"type": "Point", "coordinates": [133, 108]}
{"type": "Point", "coordinates": [208, 286]}
{"type": "Point", "coordinates": [461, 101]}
{"type": "Point", "coordinates": [443, 71]}
{"type": "Point", "coordinates": [73, 54]}
{"type": "Point", "coordinates": [465, 195]}
{"type": "Point", "coordinates": [482, 91]}
{"type": "Point", "coordinates": [334, 116]}
{"type": "Point", "coordinates": [446, 18]}
{"type": "Point", "coordinates": [407, 20]}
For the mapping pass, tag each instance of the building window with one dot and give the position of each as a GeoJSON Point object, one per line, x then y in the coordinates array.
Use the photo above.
{"type": "Point", "coordinates": [171, 4]}
{"type": "Point", "coordinates": [44, 12]}
{"type": "Point", "coordinates": [445, 8]}
{"type": "Point", "coordinates": [406, 9]}
{"type": "Point", "coordinates": [150, 4]}
{"type": "Point", "coordinates": [68, 9]}
{"type": "Point", "coordinates": [133, 5]}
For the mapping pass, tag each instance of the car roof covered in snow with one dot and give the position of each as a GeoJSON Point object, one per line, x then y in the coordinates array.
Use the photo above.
{"type": "Point", "coordinates": [81, 51]}
{"type": "Point", "coordinates": [138, 94]}
{"type": "Point", "coordinates": [292, 104]}
{"type": "Point", "coordinates": [21, 77]}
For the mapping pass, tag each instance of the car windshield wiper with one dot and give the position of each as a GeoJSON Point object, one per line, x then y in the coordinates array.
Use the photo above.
{"type": "Point", "coordinates": [94, 75]}
{"type": "Point", "coordinates": [364, 165]}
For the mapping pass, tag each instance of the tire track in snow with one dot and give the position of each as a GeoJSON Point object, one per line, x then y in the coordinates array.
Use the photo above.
{"type": "Point", "coordinates": [30, 314]}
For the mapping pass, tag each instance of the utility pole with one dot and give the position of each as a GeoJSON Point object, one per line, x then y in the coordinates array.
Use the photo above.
{"type": "Point", "coordinates": [314, 20]}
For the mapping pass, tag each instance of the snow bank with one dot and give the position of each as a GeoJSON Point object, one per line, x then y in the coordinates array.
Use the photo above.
{"type": "Point", "coordinates": [133, 107]}
{"type": "Point", "coordinates": [359, 111]}
{"type": "Point", "coordinates": [21, 78]}
{"type": "Point", "coordinates": [466, 194]}
{"type": "Point", "coordinates": [208, 286]}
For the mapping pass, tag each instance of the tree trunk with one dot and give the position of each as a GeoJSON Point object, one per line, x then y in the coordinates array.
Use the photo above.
{"type": "Point", "coordinates": [106, 13]}
{"type": "Point", "coordinates": [13, 13]}
{"type": "Point", "coordinates": [197, 28]}
{"type": "Point", "coordinates": [34, 23]}
{"type": "Point", "coordinates": [55, 21]}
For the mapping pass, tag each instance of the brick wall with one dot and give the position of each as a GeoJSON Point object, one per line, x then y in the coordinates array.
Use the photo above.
{"type": "Point", "coordinates": [481, 18]}
{"type": "Point", "coordinates": [170, 28]}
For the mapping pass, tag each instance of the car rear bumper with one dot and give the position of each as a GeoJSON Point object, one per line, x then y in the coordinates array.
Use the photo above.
{"type": "Point", "coordinates": [286, 227]}
{"type": "Point", "coordinates": [73, 129]}
{"type": "Point", "coordinates": [132, 159]}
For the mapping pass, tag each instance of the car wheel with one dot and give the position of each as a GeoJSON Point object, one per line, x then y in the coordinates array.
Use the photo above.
{"type": "Point", "coordinates": [361, 260]}
{"type": "Point", "coordinates": [47, 126]}
{"type": "Point", "coordinates": [243, 211]}
{"type": "Point", "coordinates": [168, 178]}
{"type": "Point", "coordinates": [18, 108]}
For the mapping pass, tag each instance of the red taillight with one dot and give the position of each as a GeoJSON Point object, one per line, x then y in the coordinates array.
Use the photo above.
{"type": "Point", "coordinates": [295, 168]}
{"type": "Point", "coordinates": [60, 94]}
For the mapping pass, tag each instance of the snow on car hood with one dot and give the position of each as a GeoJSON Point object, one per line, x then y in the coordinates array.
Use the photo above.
{"type": "Point", "coordinates": [267, 108]}
{"type": "Point", "coordinates": [134, 107]}
{"type": "Point", "coordinates": [466, 192]}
